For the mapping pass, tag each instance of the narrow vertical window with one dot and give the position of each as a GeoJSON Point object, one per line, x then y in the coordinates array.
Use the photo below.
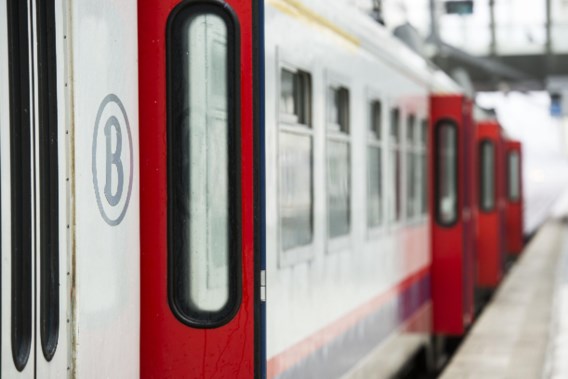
{"type": "Point", "coordinates": [374, 174]}
{"type": "Point", "coordinates": [513, 177]}
{"type": "Point", "coordinates": [446, 173]}
{"type": "Point", "coordinates": [487, 175]}
{"type": "Point", "coordinates": [295, 160]}
{"type": "Point", "coordinates": [395, 166]}
{"type": "Point", "coordinates": [423, 153]}
{"type": "Point", "coordinates": [411, 188]}
{"type": "Point", "coordinates": [48, 177]}
{"type": "Point", "coordinates": [203, 133]}
{"type": "Point", "coordinates": [20, 177]}
{"type": "Point", "coordinates": [338, 162]}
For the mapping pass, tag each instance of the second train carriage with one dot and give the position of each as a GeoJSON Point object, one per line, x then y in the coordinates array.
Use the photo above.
{"type": "Point", "coordinates": [364, 161]}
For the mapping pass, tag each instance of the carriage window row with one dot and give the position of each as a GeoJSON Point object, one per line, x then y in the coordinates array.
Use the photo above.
{"type": "Point", "coordinates": [296, 157]}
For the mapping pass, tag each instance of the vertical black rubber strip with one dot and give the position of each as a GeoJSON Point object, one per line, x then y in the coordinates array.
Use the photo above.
{"type": "Point", "coordinates": [20, 176]}
{"type": "Point", "coordinates": [48, 178]}
{"type": "Point", "coordinates": [259, 187]}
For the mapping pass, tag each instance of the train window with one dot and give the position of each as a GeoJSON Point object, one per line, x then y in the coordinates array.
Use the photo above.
{"type": "Point", "coordinates": [338, 163]}
{"type": "Point", "coordinates": [487, 175]}
{"type": "Point", "coordinates": [376, 120]}
{"type": "Point", "coordinates": [394, 126]}
{"type": "Point", "coordinates": [424, 166]}
{"type": "Point", "coordinates": [21, 185]}
{"type": "Point", "coordinates": [514, 182]}
{"type": "Point", "coordinates": [48, 180]}
{"type": "Point", "coordinates": [295, 190]}
{"type": "Point", "coordinates": [374, 167]}
{"type": "Point", "coordinates": [295, 96]}
{"type": "Point", "coordinates": [295, 160]}
{"type": "Point", "coordinates": [338, 183]}
{"type": "Point", "coordinates": [204, 180]}
{"type": "Point", "coordinates": [446, 173]}
{"type": "Point", "coordinates": [338, 109]}
{"type": "Point", "coordinates": [410, 129]}
{"type": "Point", "coordinates": [395, 166]}
{"type": "Point", "coordinates": [411, 152]}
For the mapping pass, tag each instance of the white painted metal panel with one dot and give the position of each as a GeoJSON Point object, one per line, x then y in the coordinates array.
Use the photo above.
{"type": "Point", "coordinates": [104, 170]}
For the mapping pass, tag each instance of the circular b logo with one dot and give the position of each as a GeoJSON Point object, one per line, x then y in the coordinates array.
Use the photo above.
{"type": "Point", "coordinates": [112, 160]}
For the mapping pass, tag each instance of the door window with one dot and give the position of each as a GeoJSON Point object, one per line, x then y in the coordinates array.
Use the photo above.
{"type": "Point", "coordinates": [446, 173]}
{"type": "Point", "coordinates": [203, 135]}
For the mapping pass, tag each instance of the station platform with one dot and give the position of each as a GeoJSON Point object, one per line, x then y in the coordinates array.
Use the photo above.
{"type": "Point", "coordinates": [523, 332]}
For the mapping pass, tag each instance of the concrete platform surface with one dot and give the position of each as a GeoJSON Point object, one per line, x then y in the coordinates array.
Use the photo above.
{"type": "Point", "coordinates": [523, 331]}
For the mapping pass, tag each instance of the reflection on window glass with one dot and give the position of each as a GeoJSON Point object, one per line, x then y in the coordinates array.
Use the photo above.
{"type": "Point", "coordinates": [411, 188]}
{"type": "Point", "coordinates": [446, 162]}
{"type": "Point", "coordinates": [295, 192]}
{"type": "Point", "coordinates": [394, 125]}
{"type": "Point", "coordinates": [287, 91]}
{"type": "Point", "coordinates": [338, 109]}
{"type": "Point", "coordinates": [295, 195]}
{"type": "Point", "coordinates": [412, 194]}
{"type": "Point", "coordinates": [338, 187]}
{"type": "Point", "coordinates": [374, 168]}
{"type": "Point", "coordinates": [394, 207]}
{"type": "Point", "coordinates": [424, 133]}
{"type": "Point", "coordinates": [424, 182]}
{"type": "Point", "coordinates": [376, 122]}
{"type": "Point", "coordinates": [374, 209]}
{"type": "Point", "coordinates": [487, 180]}
{"type": "Point", "coordinates": [200, 160]}
{"type": "Point", "coordinates": [208, 176]}
{"type": "Point", "coordinates": [295, 96]}
{"type": "Point", "coordinates": [410, 129]}
{"type": "Point", "coordinates": [424, 166]}
{"type": "Point", "coordinates": [514, 182]}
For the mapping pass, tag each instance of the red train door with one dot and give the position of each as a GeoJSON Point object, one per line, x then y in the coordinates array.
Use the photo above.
{"type": "Point", "coordinates": [490, 258]}
{"type": "Point", "coordinates": [514, 195]}
{"type": "Point", "coordinates": [452, 228]}
{"type": "Point", "coordinates": [199, 65]}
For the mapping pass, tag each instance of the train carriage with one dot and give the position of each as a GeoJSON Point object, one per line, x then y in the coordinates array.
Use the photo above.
{"type": "Point", "coordinates": [231, 189]}
{"type": "Point", "coordinates": [347, 221]}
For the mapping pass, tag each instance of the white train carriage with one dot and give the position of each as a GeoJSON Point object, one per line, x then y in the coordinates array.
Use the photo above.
{"type": "Point", "coordinates": [348, 225]}
{"type": "Point", "coordinates": [347, 238]}
{"type": "Point", "coordinates": [69, 189]}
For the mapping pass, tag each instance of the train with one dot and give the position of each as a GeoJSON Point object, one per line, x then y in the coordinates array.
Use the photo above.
{"type": "Point", "coordinates": [238, 189]}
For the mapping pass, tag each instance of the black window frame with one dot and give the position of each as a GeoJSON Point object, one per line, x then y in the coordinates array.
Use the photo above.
{"type": "Point", "coordinates": [177, 19]}
{"type": "Point", "coordinates": [481, 177]}
{"type": "Point", "coordinates": [438, 217]}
